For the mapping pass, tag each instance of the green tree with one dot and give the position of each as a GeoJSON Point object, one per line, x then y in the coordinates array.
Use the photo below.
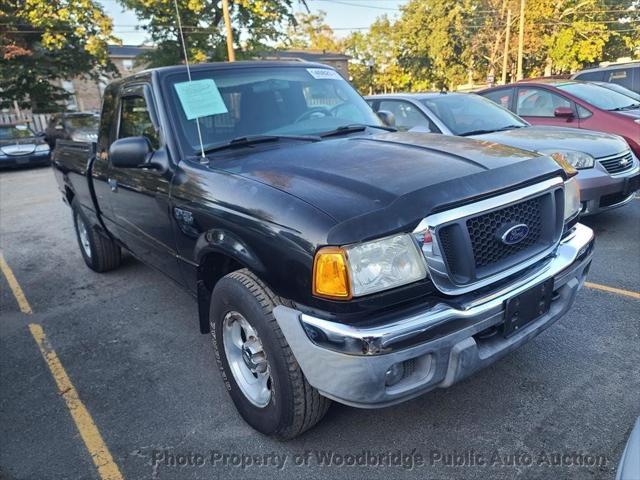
{"type": "Point", "coordinates": [310, 31]}
{"type": "Point", "coordinates": [42, 42]}
{"type": "Point", "coordinates": [255, 25]}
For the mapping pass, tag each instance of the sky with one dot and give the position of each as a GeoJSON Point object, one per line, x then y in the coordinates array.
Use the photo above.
{"type": "Point", "coordinates": [342, 15]}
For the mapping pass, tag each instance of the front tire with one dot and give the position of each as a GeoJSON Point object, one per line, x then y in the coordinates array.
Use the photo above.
{"type": "Point", "coordinates": [99, 252]}
{"type": "Point", "coordinates": [257, 365]}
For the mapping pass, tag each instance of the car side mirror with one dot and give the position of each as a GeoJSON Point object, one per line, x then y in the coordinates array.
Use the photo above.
{"type": "Point", "coordinates": [388, 118]}
{"type": "Point", "coordinates": [563, 112]}
{"type": "Point", "coordinates": [130, 152]}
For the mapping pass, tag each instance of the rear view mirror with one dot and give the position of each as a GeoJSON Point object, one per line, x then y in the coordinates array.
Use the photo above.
{"type": "Point", "coordinates": [387, 118]}
{"type": "Point", "coordinates": [131, 152]}
{"type": "Point", "coordinates": [563, 112]}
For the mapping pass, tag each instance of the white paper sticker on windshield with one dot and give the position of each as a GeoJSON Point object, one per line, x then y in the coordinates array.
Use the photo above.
{"type": "Point", "coordinates": [200, 98]}
{"type": "Point", "coordinates": [324, 74]}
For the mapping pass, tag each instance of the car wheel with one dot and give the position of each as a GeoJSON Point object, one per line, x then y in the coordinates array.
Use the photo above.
{"type": "Point", "coordinates": [99, 252]}
{"type": "Point", "coordinates": [259, 370]}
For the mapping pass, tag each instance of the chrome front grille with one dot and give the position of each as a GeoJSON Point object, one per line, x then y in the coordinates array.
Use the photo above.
{"type": "Point", "coordinates": [617, 163]}
{"type": "Point", "coordinates": [469, 248]}
{"type": "Point", "coordinates": [484, 231]}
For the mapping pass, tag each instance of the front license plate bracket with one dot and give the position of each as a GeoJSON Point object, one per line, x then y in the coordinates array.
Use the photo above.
{"type": "Point", "coordinates": [527, 307]}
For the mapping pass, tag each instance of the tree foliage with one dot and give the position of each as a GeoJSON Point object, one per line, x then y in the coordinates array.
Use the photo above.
{"type": "Point", "coordinates": [255, 24]}
{"type": "Point", "coordinates": [441, 44]}
{"type": "Point", "coordinates": [43, 41]}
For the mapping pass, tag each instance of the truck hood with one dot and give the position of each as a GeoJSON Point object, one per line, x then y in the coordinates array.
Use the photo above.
{"type": "Point", "coordinates": [397, 173]}
{"type": "Point", "coordinates": [539, 138]}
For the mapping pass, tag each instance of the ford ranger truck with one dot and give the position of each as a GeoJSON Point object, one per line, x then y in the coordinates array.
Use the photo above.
{"type": "Point", "coordinates": [331, 257]}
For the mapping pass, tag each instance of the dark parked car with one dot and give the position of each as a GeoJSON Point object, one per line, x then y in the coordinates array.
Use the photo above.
{"type": "Point", "coordinates": [608, 172]}
{"type": "Point", "coordinates": [572, 104]}
{"type": "Point", "coordinates": [79, 127]}
{"type": "Point", "coordinates": [625, 74]}
{"type": "Point", "coordinates": [330, 259]}
{"type": "Point", "coordinates": [20, 146]}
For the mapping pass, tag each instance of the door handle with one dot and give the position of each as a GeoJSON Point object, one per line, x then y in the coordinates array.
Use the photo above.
{"type": "Point", "coordinates": [113, 184]}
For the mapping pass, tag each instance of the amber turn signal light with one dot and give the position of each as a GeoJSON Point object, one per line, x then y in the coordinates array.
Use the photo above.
{"type": "Point", "coordinates": [331, 274]}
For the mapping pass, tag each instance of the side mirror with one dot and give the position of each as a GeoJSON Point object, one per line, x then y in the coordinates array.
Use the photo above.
{"type": "Point", "coordinates": [388, 118]}
{"type": "Point", "coordinates": [131, 152]}
{"type": "Point", "coordinates": [563, 112]}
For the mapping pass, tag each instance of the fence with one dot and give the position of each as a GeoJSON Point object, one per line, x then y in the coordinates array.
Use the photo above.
{"type": "Point", "coordinates": [37, 121]}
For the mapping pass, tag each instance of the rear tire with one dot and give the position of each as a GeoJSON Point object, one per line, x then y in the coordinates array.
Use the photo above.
{"type": "Point", "coordinates": [99, 252]}
{"type": "Point", "coordinates": [242, 308]}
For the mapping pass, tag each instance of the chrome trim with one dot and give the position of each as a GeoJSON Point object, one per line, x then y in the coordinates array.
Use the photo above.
{"type": "Point", "coordinates": [630, 171]}
{"type": "Point", "coordinates": [435, 261]}
{"type": "Point", "coordinates": [382, 339]}
{"type": "Point", "coordinates": [489, 204]}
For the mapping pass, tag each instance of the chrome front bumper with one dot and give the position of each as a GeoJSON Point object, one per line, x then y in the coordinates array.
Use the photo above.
{"type": "Point", "coordinates": [441, 344]}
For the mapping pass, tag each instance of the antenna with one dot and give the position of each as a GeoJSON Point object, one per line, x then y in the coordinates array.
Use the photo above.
{"type": "Point", "coordinates": [186, 61]}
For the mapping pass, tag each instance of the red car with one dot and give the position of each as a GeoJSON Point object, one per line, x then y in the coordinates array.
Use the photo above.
{"type": "Point", "coordinates": [570, 103]}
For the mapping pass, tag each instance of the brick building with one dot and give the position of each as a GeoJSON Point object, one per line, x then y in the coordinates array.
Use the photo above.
{"type": "Point", "coordinates": [86, 95]}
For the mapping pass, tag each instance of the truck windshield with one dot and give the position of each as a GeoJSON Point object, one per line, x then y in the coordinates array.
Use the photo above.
{"type": "Point", "coordinates": [469, 114]}
{"type": "Point", "coordinates": [250, 101]}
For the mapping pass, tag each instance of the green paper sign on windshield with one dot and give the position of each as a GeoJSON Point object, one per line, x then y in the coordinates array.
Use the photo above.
{"type": "Point", "coordinates": [200, 98]}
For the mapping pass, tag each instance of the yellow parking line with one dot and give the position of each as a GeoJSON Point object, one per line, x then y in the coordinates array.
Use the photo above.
{"type": "Point", "coordinates": [107, 468]}
{"type": "Point", "coordinates": [617, 291]}
{"type": "Point", "coordinates": [23, 303]}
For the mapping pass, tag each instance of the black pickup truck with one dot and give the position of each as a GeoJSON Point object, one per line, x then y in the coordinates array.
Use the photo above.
{"type": "Point", "coordinates": [331, 257]}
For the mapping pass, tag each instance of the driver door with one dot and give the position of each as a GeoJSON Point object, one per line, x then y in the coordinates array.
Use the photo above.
{"type": "Point", "coordinates": [139, 197]}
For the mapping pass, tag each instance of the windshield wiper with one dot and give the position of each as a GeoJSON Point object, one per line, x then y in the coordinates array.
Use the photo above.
{"type": "Point", "coordinates": [628, 107]}
{"type": "Point", "coordinates": [356, 127]}
{"type": "Point", "coordinates": [493, 130]}
{"type": "Point", "coordinates": [257, 139]}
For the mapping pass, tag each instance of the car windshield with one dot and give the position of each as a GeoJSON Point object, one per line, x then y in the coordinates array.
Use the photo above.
{"type": "Point", "coordinates": [620, 89]}
{"type": "Point", "coordinates": [466, 114]}
{"type": "Point", "coordinates": [598, 96]}
{"type": "Point", "coordinates": [84, 122]}
{"type": "Point", "coordinates": [256, 101]}
{"type": "Point", "coordinates": [15, 131]}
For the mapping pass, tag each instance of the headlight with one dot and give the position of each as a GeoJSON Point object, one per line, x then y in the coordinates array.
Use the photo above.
{"type": "Point", "coordinates": [578, 160]}
{"type": "Point", "coordinates": [84, 137]}
{"type": "Point", "coordinates": [367, 268]}
{"type": "Point", "coordinates": [43, 147]}
{"type": "Point", "coordinates": [637, 120]}
{"type": "Point", "coordinates": [571, 198]}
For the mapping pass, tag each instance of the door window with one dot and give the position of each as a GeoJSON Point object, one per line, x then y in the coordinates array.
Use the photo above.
{"type": "Point", "coordinates": [622, 76]}
{"type": "Point", "coordinates": [596, 76]}
{"type": "Point", "coordinates": [407, 116]}
{"type": "Point", "coordinates": [135, 120]}
{"type": "Point", "coordinates": [537, 102]}
{"type": "Point", "coordinates": [502, 97]}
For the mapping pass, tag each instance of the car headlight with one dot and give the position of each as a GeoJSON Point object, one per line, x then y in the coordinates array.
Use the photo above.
{"type": "Point", "coordinates": [572, 204]}
{"type": "Point", "coordinates": [637, 120]}
{"type": "Point", "coordinates": [578, 160]}
{"type": "Point", "coordinates": [84, 137]}
{"type": "Point", "coordinates": [365, 268]}
{"type": "Point", "coordinates": [43, 147]}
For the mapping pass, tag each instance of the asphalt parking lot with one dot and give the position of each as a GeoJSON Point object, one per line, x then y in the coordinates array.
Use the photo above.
{"type": "Point", "coordinates": [122, 385]}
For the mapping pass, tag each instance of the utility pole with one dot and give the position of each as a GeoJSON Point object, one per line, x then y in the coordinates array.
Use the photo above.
{"type": "Point", "coordinates": [227, 26]}
{"type": "Point", "coordinates": [507, 38]}
{"type": "Point", "coordinates": [521, 40]}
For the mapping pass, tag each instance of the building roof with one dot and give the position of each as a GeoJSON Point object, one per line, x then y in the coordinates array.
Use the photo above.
{"type": "Point", "coordinates": [127, 51]}
{"type": "Point", "coordinates": [306, 55]}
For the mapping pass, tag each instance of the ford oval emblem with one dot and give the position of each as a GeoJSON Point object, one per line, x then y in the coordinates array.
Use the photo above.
{"type": "Point", "coordinates": [515, 234]}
